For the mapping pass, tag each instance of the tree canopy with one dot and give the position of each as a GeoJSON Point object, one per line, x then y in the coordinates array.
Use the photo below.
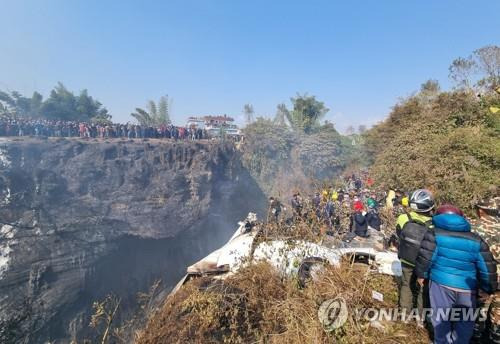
{"type": "Point", "coordinates": [248, 112]}
{"type": "Point", "coordinates": [306, 113]}
{"type": "Point", "coordinates": [279, 157]}
{"type": "Point", "coordinates": [281, 115]}
{"type": "Point", "coordinates": [448, 144]}
{"type": "Point", "coordinates": [62, 104]}
{"type": "Point", "coordinates": [481, 70]}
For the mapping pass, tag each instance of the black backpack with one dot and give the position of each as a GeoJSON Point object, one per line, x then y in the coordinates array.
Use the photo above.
{"type": "Point", "coordinates": [410, 238]}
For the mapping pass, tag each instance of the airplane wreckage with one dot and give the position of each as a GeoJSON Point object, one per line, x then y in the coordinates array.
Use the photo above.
{"type": "Point", "coordinates": [298, 258]}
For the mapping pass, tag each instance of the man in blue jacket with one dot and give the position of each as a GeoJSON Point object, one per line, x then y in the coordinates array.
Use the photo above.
{"type": "Point", "coordinates": [458, 263]}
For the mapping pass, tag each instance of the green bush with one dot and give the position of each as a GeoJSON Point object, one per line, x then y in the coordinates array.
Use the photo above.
{"type": "Point", "coordinates": [448, 144]}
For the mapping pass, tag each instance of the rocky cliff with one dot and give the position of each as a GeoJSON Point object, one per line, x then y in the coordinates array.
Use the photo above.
{"type": "Point", "coordinates": [83, 219]}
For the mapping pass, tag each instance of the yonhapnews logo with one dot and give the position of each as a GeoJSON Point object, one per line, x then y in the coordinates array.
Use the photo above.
{"type": "Point", "coordinates": [333, 313]}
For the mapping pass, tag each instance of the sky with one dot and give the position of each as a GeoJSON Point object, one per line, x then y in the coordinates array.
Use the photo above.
{"type": "Point", "coordinates": [212, 57]}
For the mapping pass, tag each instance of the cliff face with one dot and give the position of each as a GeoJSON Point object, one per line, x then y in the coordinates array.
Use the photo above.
{"type": "Point", "coordinates": [82, 219]}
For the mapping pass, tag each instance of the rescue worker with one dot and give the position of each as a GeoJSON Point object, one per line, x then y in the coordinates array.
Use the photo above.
{"type": "Point", "coordinates": [316, 202]}
{"type": "Point", "coordinates": [358, 184]}
{"type": "Point", "coordinates": [369, 182]}
{"type": "Point", "coordinates": [410, 229]}
{"type": "Point", "coordinates": [398, 198]}
{"type": "Point", "coordinates": [329, 213]}
{"type": "Point", "coordinates": [359, 225]}
{"type": "Point", "coordinates": [488, 227]}
{"type": "Point", "coordinates": [274, 209]}
{"type": "Point", "coordinates": [340, 195]}
{"type": "Point", "coordinates": [372, 216]}
{"type": "Point", "coordinates": [297, 205]}
{"type": "Point", "coordinates": [335, 196]}
{"type": "Point", "coordinates": [337, 206]}
{"type": "Point", "coordinates": [488, 223]}
{"type": "Point", "coordinates": [457, 262]}
{"type": "Point", "coordinates": [324, 195]}
{"type": "Point", "coordinates": [389, 201]}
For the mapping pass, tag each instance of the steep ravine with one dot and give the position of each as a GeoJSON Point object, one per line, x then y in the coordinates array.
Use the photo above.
{"type": "Point", "coordinates": [98, 217]}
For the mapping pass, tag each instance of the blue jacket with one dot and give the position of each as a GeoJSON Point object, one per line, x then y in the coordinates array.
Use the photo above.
{"type": "Point", "coordinates": [453, 256]}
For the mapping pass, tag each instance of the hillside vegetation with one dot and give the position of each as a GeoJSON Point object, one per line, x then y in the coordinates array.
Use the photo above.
{"type": "Point", "coordinates": [445, 141]}
{"type": "Point", "coordinates": [280, 158]}
{"type": "Point", "coordinates": [448, 142]}
{"type": "Point", "coordinates": [257, 305]}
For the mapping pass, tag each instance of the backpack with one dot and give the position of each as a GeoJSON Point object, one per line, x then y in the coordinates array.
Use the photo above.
{"type": "Point", "coordinates": [411, 237]}
{"type": "Point", "coordinates": [359, 225]}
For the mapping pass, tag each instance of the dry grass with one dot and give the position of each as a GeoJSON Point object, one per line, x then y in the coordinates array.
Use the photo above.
{"type": "Point", "coordinates": [258, 306]}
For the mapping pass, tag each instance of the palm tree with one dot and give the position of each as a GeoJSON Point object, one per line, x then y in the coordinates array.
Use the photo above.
{"type": "Point", "coordinates": [281, 114]}
{"type": "Point", "coordinates": [248, 112]}
{"type": "Point", "coordinates": [157, 114]}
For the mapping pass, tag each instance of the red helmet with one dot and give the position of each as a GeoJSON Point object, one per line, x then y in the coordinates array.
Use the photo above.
{"type": "Point", "coordinates": [449, 209]}
{"type": "Point", "coordinates": [358, 206]}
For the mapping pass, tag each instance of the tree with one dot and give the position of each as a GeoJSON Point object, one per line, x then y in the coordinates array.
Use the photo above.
{"type": "Point", "coordinates": [248, 112]}
{"type": "Point", "coordinates": [306, 114]}
{"type": "Point", "coordinates": [488, 62]}
{"type": "Point", "coordinates": [450, 146]}
{"type": "Point", "coordinates": [164, 110]}
{"type": "Point", "coordinates": [430, 86]}
{"type": "Point", "coordinates": [156, 115]}
{"type": "Point", "coordinates": [36, 104]}
{"type": "Point", "coordinates": [281, 115]}
{"type": "Point", "coordinates": [143, 117]}
{"type": "Point", "coordinates": [7, 104]}
{"type": "Point", "coordinates": [428, 91]}
{"type": "Point", "coordinates": [480, 70]}
{"type": "Point", "coordinates": [3, 111]}
{"type": "Point", "coordinates": [461, 72]}
{"type": "Point", "coordinates": [22, 104]}
{"type": "Point", "coordinates": [62, 104]}
{"type": "Point", "coordinates": [361, 128]}
{"type": "Point", "coordinates": [350, 130]}
{"type": "Point", "coordinates": [15, 104]}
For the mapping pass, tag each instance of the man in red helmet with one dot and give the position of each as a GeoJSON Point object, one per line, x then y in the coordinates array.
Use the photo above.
{"type": "Point", "coordinates": [359, 225]}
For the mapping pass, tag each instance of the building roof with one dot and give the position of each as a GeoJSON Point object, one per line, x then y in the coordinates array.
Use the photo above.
{"type": "Point", "coordinates": [224, 118]}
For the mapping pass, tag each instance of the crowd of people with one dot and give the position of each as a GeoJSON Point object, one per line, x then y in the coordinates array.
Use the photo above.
{"type": "Point", "coordinates": [48, 128]}
{"type": "Point", "coordinates": [446, 258]}
{"type": "Point", "coordinates": [352, 206]}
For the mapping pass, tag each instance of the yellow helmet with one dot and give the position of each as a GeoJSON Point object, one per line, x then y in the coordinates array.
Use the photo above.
{"type": "Point", "coordinates": [405, 201]}
{"type": "Point", "coordinates": [335, 196]}
{"type": "Point", "coordinates": [325, 193]}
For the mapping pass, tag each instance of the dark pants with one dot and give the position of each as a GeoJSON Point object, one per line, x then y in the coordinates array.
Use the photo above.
{"type": "Point", "coordinates": [446, 331]}
{"type": "Point", "coordinates": [410, 292]}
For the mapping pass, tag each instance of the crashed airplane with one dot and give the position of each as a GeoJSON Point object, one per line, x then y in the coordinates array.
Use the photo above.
{"type": "Point", "coordinates": [291, 258]}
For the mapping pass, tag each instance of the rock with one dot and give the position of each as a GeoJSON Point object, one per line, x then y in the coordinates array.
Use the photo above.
{"type": "Point", "coordinates": [92, 218]}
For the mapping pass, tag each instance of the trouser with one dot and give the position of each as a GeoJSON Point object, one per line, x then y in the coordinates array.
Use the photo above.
{"type": "Point", "coordinates": [443, 299]}
{"type": "Point", "coordinates": [410, 292]}
{"type": "Point", "coordinates": [274, 217]}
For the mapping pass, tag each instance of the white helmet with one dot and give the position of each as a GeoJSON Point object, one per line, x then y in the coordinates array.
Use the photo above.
{"type": "Point", "coordinates": [421, 201]}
